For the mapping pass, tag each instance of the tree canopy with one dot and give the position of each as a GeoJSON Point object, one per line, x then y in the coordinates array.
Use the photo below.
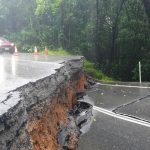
{"type": "Point", "coordinates": [114, 34]}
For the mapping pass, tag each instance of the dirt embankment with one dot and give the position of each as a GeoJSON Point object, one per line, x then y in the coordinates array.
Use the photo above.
{"type": "Point", "coordinates": [44, 129]}
{"type": "Point", "coordinates": [42, 112]}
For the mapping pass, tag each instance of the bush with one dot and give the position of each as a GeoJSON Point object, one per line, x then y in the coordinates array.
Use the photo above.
{"type": "Point", "coordinates": [91, 70]}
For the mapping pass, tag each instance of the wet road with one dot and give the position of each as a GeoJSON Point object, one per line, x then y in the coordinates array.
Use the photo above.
{"type": "Point", "coordinates": [110, 132]}
{"type": "Point", "coordinates": [16, 71]}
{"type": "Point", "coordinates": [110, 97]}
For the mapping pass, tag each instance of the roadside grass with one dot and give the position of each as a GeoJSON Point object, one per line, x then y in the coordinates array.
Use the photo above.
{"type": "Point", "coordinates": [91, 70]}
{"type": "Point", "coordinates": [56, 52]}
{"type": "Point", "coordinates": [89, 67]}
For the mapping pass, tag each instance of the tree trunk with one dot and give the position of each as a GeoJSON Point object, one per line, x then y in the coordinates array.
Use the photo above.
{"type": "Point", "coordinates": [115, 32]}
{"type": "Point", "coordinates": [147, 8]}
{"type": "Point", "coordinates": [97, 32]}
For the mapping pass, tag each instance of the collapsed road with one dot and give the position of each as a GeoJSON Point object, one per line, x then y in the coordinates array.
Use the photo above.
{"type": "Point", "coordinates": [43, 107]}
{"type": "Point", "coordinates": [38, 102]}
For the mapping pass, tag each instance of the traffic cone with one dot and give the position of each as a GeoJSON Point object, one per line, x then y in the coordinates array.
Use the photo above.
{"type": "Point", "coordinates": [16, 51]}
{"type": "Point", "coordinates": [35, 51]}
{"type": "Point", "coordinates": [46, 51]}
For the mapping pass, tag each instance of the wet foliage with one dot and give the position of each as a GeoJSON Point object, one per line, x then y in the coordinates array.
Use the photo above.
{"type": "Point", "coordinates": [113, 34]}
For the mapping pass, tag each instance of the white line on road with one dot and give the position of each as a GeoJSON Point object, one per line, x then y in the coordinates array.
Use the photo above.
{"type": "Point", "coordinates": [122, 117]}
{"type": "Point", "coordinates": [128, 86]}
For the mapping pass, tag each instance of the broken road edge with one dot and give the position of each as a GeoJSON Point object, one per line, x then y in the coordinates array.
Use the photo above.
{"type": "Point", "coordinates": [41, 115]}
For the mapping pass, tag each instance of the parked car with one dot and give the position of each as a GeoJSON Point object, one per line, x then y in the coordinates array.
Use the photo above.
{"type": "Point", "coordinates": [6, 46]}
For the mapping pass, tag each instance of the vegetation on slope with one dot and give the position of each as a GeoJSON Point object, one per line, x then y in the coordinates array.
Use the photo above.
{"type": "Point", "coordinates": [96, 73]}
{"type": "Point", "coordinates": [114, 34]}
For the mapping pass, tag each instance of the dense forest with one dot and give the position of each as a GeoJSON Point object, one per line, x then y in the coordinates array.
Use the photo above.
{"type": "Point", "coordinates": [114, 34]}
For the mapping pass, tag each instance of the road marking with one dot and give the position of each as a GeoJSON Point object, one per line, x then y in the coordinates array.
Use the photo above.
{"type": "Point", "coordinates": [122, 117]}
{"type": "Point", "coordinates": [128, 86]}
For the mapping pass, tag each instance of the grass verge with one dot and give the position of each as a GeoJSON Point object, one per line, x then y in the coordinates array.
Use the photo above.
{"type": "Point", "coordinates": [56, 52]}
{"type": "Point", "coordinates": [91, 70]}
{"type": "Point", "coordinates": [89, 67]}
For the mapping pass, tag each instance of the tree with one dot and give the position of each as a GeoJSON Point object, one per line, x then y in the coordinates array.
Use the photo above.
{"type": "Point", "coordinates": [147, 8]}
{"type": "Point", "coordinates": [112, 33]}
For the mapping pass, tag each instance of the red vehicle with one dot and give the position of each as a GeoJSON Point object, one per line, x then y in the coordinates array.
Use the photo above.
{"type": "Point", "coordinates": [6, 46]}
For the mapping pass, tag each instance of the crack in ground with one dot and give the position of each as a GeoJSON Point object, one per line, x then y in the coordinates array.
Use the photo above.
{"type": "Point", "coordinates": [134, 117]}
{"type": "Point", "coordinates": [7, 98]}
{"type": "Point", "coordinates": [130, 103]}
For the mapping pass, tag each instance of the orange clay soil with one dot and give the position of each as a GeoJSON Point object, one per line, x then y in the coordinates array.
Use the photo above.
{"type": "Point", "coordinates": [43, 131]}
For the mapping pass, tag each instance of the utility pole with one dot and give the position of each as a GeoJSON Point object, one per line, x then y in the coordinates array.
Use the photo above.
{"type": "Point", "coordinates": [140, 78]}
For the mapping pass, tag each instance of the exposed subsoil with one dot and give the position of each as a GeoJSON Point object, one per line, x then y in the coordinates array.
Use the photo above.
{"type": "Point", "coordinates": [57, 127]}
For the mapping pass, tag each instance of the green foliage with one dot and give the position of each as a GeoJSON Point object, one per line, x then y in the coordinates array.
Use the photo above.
{"type": "Point", "coordinates": [44, 6]}
{"type": "Point", "coordinates": [91, 70]}
{"type": "Point", "coordinates": [133, 40]}
{"type": "Point", "coordinates": [57, 52]}
{"type": "Point", "coordinates": [114, 34]}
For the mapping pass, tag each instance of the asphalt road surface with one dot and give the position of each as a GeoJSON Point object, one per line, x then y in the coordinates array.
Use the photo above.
{"type": "Point", "coordinates": [16, 71]}
{"type": "Point", "coordinates": [121, 118]}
